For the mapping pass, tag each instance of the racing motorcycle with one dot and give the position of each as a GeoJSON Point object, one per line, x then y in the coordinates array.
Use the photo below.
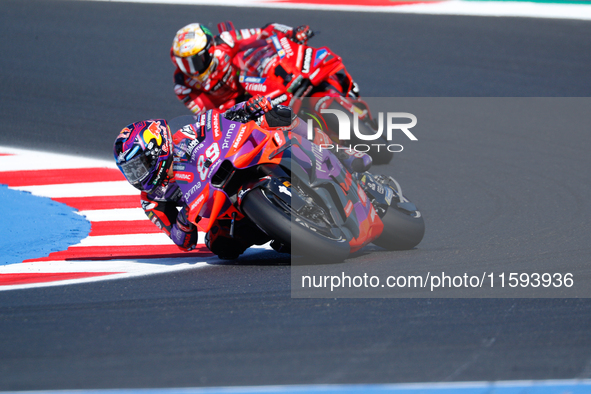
{"type": "Point", "coordinates": [285, 72]}
{"type": "Point", "coordinates": [300, 195]}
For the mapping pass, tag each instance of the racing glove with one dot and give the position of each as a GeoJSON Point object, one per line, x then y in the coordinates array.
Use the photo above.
{"type": "Point", "coordinates": [257, 106]}
{"type": "Point", "coordinates": [247, 110]}
{"type": "Point", "coordinates": [183, 232]}
{"type": "Point", "coordinates": [301, 34]}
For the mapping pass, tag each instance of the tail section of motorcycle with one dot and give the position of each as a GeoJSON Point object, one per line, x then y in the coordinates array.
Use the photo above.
{"type": "Point", "coordinates": [360, 122]}
{"type": "Point", "coordinates": [404, 226]}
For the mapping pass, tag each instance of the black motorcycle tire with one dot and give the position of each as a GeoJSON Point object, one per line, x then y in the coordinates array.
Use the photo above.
{"type": "Point", "coordinates": [274, 220]}
{"type": "Point", "coordinates": [402, 231]}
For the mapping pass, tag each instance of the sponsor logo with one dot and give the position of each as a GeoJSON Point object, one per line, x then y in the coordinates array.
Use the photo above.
{"type": "Point", "coordinates": [245, 33]}
{"type": "Point", "coordinates": [192, 145]}
{"type": "Point", "coordinates": [198, 201]}
{"type": "Point", "coordinates": [278, 139]}
{"type": "Point", "coordinates": [313, 75]}
{"type": "Point", "coordinates": [208, 120]}
{"type": "Point", "coordinates": [158, 223]}
{"type": "Point", "coordinates": [320, 55]}
{"type": "Point", "coordinates": [278, 47]}
{"type": "Point", "coordinates": [217, 133]}
{"type": "Point", "coordinates": [183, 177]}
{"type": "Point", "coordinates": [148, 206]}
{"type": "Point", "coordinates": [239, 138]}
{"type": "Point", "coordinates": [284, 190]}
{"type": "Point", "coordinates": [153, 132]}
{"type": "Point", "coordinates": [348, 208]}
{"type": "Point", "coordinates": [246, 79]}
{"type": "Point", "coordinates": [279, 100]}
{"type": "Point", "coordinates": [281, 28]}
{"type": "Point", "coordinates": [188, 130]}
{"type": "Point", "coordinates": [287, 47]}
{"type": "Point", "coordinates": [317, 150]}
{"type": "Point", "coordinates": [192, 190]}
{"type": "Point", "coordinates": [256, 87]}
{"type": "Point", "coordinates": [227, 37]}
{"type": "Point", "coordinates": [307, 60]}
{"type": "Point", "coordinates": [266, 64]}
{"type": "Point", "coordinates": [389, 195]}
{"type": "Point", "coordinates": [241, 193]}
{"type": "Point", "coordinates": [228, 136]}
{"type": "Point", "coordinates": [196, 149]}
{"type": "Point", "coordinates": [223, 81]}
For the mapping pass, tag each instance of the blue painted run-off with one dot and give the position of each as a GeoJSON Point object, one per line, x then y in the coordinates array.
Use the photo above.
{"type": "Point", "coordinates": [33, 227]}
{"type": "Point", "coordinates": [571, 386]}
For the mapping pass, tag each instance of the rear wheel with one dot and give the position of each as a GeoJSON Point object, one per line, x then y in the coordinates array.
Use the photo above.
{"type": "Point", "coordinates": [402, 230]}
{"type": "Point", "coordinates": [308, 232]}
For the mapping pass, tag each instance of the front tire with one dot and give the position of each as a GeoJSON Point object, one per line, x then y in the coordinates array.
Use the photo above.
{"type": "Point", "coordinates": [300, 235]}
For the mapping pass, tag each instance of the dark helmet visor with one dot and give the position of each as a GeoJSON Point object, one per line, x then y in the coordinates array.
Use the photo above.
{"type": "Point", "coordinates": [201, 61]}
{"type": "Point", "coordinates": [136, 169]}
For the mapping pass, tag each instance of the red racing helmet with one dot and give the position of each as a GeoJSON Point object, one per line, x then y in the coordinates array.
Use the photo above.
{"type": "Point", "coordinates": [192, 49]}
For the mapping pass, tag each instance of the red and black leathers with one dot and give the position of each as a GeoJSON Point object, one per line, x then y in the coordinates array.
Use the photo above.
{"type": "Point", "coordinates": [218, 87]}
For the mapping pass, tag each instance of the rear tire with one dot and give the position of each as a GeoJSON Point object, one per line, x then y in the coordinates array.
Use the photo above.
{"type": "Point", "coordinates": [277, 220]}
{"type": "Point", "coordinates": [402, 231]}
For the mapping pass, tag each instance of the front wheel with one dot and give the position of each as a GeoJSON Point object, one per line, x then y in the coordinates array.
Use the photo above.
{"type": "Point", "coordinates": [304, 235]}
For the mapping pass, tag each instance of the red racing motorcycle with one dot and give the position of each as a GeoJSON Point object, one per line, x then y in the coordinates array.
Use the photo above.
{"type": "Point", "coordinates": [286, 72]}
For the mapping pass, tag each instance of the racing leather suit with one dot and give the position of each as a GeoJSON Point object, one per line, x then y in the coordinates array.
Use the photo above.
{"type": "Point", "coordinates": [219, 88]}
{"type": "Point", "coordinates": [162, 205]}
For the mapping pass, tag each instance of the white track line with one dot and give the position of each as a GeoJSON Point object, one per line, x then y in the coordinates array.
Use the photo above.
{"type": "Point", "coordinates": [108, 215]}
{"type": "Point", "coordinates": [24, 160]}
{"type": "Point", "coordinates": [131, 240]}
{"type": "Point", "coordinates": [87, 189]}
{"type": "Point", "coordinates": [451, 7]}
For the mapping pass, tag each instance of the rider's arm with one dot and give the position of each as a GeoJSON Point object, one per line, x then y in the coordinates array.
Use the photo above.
{"type": "Point", "coordinates": [247, 38]}
{"type": "Point", "coordinates": [166, 216]}
{"type": "Point", "coordinates": [183, 232]}
{"type": "Point", "coordinates": [298, 34]}
{"type": "Point", "coordinates": [162, 213]}
{"type": "Point", "coordinates": [193, 99]}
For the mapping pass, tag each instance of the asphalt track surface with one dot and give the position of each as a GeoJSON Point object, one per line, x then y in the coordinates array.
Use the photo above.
{"type": "Point", "coordinates": [74, 73]}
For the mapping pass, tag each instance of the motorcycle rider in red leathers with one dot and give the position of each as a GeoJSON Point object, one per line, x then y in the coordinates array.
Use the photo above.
{"type": "Point", "coordinates": [205, 77]}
